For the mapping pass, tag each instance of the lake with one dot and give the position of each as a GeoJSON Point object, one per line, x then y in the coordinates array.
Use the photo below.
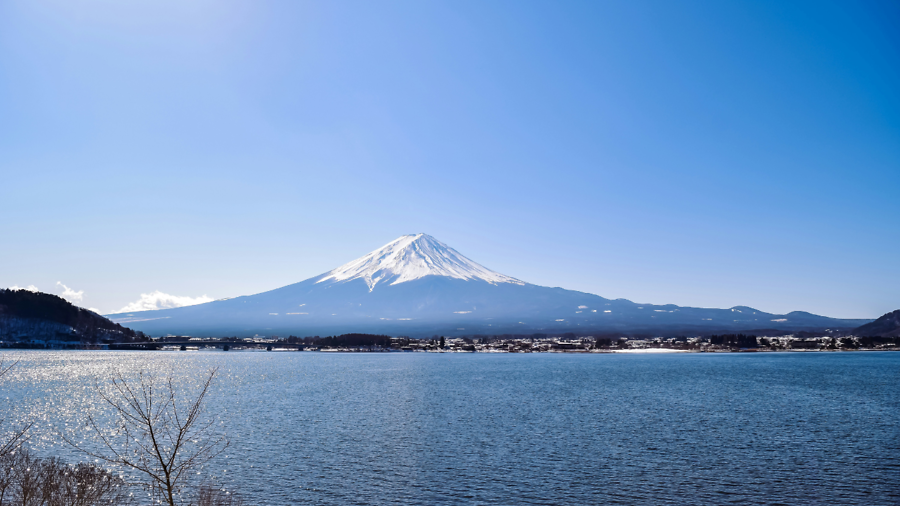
{"type": "Point", "coordinates": [424, 429]}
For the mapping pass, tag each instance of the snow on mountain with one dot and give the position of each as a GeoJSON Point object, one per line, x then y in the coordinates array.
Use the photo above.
{"type": "Point", "coordinates": [412, 257]}
{"type": "Point", "coordinates": [418, 286]}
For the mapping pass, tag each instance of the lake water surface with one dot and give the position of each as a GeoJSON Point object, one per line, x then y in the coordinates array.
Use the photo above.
{"type": "Point", "coordinates": [417, 428]}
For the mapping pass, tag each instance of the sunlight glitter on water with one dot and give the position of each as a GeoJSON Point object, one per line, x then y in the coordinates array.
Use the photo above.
{"type": "Point", "coordinates": [507, 428]}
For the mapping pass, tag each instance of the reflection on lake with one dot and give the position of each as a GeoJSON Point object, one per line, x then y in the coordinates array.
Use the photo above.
{"type": "Point", "coordinates": [330, 428]}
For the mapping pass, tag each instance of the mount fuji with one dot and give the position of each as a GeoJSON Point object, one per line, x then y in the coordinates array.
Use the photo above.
{"type": "Point", "coordinates": [418, 286]}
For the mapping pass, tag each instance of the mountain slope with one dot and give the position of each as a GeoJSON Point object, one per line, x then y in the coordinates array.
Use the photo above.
{"type": "Point", "coordinates": [26, 315]}
{"type": "Point", "coordinates": [888, 325]}
{"type": "Point", "coordinates": [416, 285]}
{"type": "Point", "coordinates": [412, 257]}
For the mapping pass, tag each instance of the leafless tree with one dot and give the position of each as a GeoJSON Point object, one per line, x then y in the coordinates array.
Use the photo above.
{"type": "Point", "coordinates": [28, 480]}
{"type": "Point", "coordinates": [156, 433]}
{"type": "Point", "coordinates": [7, 475]}
{"type": "Point", "coordinates": [211, 496]}
{"type": "Point", "coordinates": [17, 437]}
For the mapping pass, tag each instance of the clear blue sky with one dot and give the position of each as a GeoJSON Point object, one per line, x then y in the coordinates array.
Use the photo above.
{"type": "Point", "coordinates": [699, 153]}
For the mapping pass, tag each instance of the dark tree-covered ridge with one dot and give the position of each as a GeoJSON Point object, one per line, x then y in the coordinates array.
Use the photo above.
{"type": "Point", "coordinates": [24, 305]}
{"type": "Point", "coordinates": [888, 325]}
{"type": "Point", "coordinates": [353, 340]}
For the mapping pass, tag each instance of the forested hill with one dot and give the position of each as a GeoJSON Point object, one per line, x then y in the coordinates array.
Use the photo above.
{"type": "Point", "coordinates": [886, 326]}
{"type": "Point", "coordinates": [26, 315]}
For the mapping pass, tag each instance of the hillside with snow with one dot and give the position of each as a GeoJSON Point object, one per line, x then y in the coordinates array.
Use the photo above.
{"type": "Point", "coordinates": [416, 285]}
{"type": "Point", "coordinates": [27, 316]}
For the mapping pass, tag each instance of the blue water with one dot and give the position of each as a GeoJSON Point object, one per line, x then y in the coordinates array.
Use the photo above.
{"type": "Point", "coordinates": [416, 428]}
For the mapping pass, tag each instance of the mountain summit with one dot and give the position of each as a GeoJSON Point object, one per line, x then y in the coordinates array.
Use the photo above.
{"type": "Point", "coordinates": [412, 257]}
{"type": "Point", "coordinates": [419, 286]}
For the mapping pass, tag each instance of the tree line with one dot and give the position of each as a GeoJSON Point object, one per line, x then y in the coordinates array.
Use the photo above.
{"type": "Point", "coordinates": [735, 340]}
{"type": "Point", "coordinates": [341, 341]}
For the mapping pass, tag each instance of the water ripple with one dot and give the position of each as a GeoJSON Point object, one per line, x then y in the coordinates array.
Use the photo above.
{"type": "Point", "coordinates": [536, 429]}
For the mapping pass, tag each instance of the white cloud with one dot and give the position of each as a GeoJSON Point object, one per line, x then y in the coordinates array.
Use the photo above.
{"type": "Point", "coordinates": [69, 294]}
{"type": "Point", "coordinates": [160, 300]}
{"type": "Point", "coordinates": [30, 288]}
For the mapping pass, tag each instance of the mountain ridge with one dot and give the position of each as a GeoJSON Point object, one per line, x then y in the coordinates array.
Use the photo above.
{"type": "Point", "coordinates": [417, 285]}
{"type": "Point", "coordinates": [887, 325]}
{"type": "Point", "coordinates": [27, 315]}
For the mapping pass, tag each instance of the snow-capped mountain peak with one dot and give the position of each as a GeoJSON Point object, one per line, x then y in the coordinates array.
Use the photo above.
{"type": "Point", "coordinates": [412, 257]}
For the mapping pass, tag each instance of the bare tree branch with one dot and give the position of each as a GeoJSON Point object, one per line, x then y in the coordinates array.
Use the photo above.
{"type": "Point", "coordinates": [18, 436]}
{"type": "Point", "coordinates": [154, 433]}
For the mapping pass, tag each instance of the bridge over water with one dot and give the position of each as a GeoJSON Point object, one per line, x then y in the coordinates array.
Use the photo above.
{"type": "Point", "coordinates": [223, 345]}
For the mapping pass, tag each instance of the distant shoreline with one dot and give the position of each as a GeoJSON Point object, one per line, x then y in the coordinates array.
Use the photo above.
{"type": "Point", "coordinates": [631, 351]}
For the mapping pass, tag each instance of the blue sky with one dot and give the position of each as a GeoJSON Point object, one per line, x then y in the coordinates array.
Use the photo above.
{"type": "Point", "coordinates": [698, 153]}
